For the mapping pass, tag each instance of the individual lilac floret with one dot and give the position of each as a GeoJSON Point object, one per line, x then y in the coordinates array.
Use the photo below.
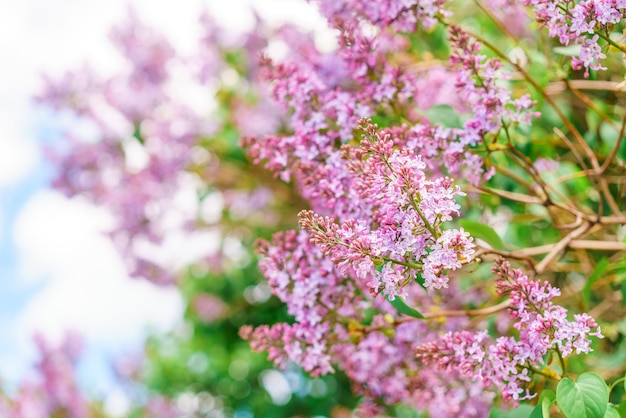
{"type": "Point", "coordinates": [508, 363]}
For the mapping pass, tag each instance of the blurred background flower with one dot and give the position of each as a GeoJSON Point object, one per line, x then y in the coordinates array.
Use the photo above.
{"type": "Point", "coordinates": [60, 269]}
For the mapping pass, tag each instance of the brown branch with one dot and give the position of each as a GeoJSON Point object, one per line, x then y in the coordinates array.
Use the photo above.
{"type": "Point", "coordinates": [516, 197]}
{"type": "Point", "coordinates": [559, 87]}
{"type": "Point", "coordinates": [460, 313]}
{"type": "Point", "coordinates": [615, 149]}
{"type": "Point", "coordinates": [561, 245]}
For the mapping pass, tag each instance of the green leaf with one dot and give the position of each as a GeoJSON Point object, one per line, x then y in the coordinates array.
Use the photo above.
{"type": "Point", "coordinates": [522, 411]}
{"type": "Point", "coordinates": [600, 269]}
{"type": "Point", "coordinates": [420, 280]}
{"type": "Point", "coordinates": [444, 115]}
{"type": "Point", "coordinates": [547, 399]}
{"type": "Point", "coordinates": [483, 232]}
{"type": "Point", "coordinates": [137, 133]}
{"type": "Point", "coordinates": [587, 397]}
{"type": "Point", "coordinates": [368, 315]}
{"type": "Point", "coordinates": [403, 308]}
{"type": "Point", "coordinates": [611, 412]}
{"type": "Point", "coordinates": [537, 412]}
{"type": "Point", "coordinates": [542, 410]}
{"type": "Point", "coordinates": [570, 50]}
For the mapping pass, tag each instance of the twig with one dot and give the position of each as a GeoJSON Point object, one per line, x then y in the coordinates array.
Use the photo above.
{"type": "Point", "coordinates": [586, 100]}
{"type": "Point", "coordinates": [559, 87]}
{"type": "Point", "coordinates": [469, 312]}
{"type": "Point", "coordinates": [561, 245]}
{"type": "Point", "coordinates": [615, 149]}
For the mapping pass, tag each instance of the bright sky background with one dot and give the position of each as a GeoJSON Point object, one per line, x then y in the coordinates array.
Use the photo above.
{"type": "Point", "coordinates": [57, 271]}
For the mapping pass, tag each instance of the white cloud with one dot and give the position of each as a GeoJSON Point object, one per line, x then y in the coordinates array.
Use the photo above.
{"type": "Point", "coordinates": [86, 288]}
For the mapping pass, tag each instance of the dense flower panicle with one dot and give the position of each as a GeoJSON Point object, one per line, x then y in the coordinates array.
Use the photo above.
{"type": "Point", "coordinates": [379, 202]}
{"type": "Point", "coordinates": [580, 23]}
{"type": "Point", "coordinates": [479, 83]}
{"type": "Point", "coordinates": [449, 252]}
{"type": "Point", "coordinates": [382, 367]}
{"type": "Point", "coordinates": [506, 363]}
{"type": "Point", "coordinates": [299, 343]}
{"type": "Point", "coordinates": [538, 319]}
{"type": "Point", "coordinates": [407, 211]}
{"type": "Point", "coordinates": [329, 332]}
{"type": "Point", "coordinates": [302, 278]}
{"type": "Point", "coordinates": [325, 106]}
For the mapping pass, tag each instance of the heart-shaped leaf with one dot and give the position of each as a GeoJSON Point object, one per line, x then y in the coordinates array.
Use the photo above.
{"type": "Point", "coordinates": [587, 397]}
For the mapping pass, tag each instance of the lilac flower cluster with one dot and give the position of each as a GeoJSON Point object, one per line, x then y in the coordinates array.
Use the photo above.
{"type": "Point", "coordinates": [326, 103]}
{"type": "Point", "coordinates": [404, 235]}
{"type": "Point", "coordinates": [479, 84]}
{"type": "Point", "coordinates": [329, 332]}
{"type": "Point", "coordinates": [508, 363]}
{"type": "Point", "coordinates": [378, 207]}
{"type": "Point", "coordinates": [377, 227]}
{"type": "Point", "coordinates": [153, 130]}
{"type": "Point", "coordinates": [301, 277]}
{"type": "Point", "coordinates": [581, 23]}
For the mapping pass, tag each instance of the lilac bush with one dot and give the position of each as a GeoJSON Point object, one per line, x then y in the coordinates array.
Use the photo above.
{"type": "Point", "coordinates": [424, 124]}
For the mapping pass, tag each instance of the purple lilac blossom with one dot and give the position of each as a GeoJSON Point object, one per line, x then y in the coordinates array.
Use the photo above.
{"type": "Point", "coordinates": [580, 23]}
{"type": "Point", "coordinates": [507, 363]}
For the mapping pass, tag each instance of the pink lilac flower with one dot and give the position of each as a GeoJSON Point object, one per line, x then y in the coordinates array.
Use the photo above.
{"type": "Point", "coordinates": [452, 248]}
{"type": "Point", "coordinates": [580, 23]}
{"type": "Point", "coordinates": [329, 308]}
{"type": "Point", "coordinates": [382, 368]}
{"type": "Point", "coordinates": [407, 211]}
{"type": "Point", "coordinates": [478, 82]}
{"type": "Point", "coordinates": [508, 363]}
{"type": "Point", "coordinates": [299, 343]}
{"type": "Point", "coordinates": [589, 57]}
